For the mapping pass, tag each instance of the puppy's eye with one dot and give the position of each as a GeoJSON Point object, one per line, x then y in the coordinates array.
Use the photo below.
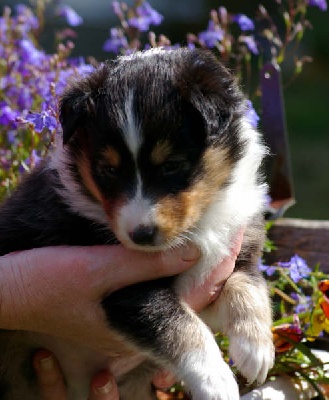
{"type": "Point", "coordinates": [173, 167]}
{"type": "Point", "coordinates": [108, 171]}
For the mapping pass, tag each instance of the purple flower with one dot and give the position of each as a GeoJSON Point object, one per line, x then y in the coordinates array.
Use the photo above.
{"type": "Point", "coordinates": [24, 98]}
{"type": "Point", "coordinates": [304, 303]}
{"type": "Point", "coordinates": [251, 115]}
{"type": "Point", "coordinates": [298, 268]}
{"type": "Point", "coordinates": [29, 53]}
{"type": "Point", "coordinates": [85, 69]}
{"type": "Point", "coordinates": [245, 23]}
{"type": "Point", "coordinates": [116, 42]}
{"type": "Point", "coordinates": [26, 16]}
{"type": "Point", "coordinates": [116, 7]}
{"type": "Point", "coordinates": [71, 16]}
{"type": "Point", "coordinates": [42, 120]}
{"type": "Point", "coordinates": [268, 269]}
{"type": "Point", "coordinates": [34, 158]}
{"type": "Point", "coordinates": [249, 41]}
{"type": "Point", "coordinates": [12, 136]}
{"type": "Point", "coordinates": [140, 23]}
{"type": "Point", "coordinates": [146, 16]}
{"type": "Point", "coordinates": [145, 10]}
{"type": "Point", "coordinates": [7, 114]}
{"type": "Point", "coordinates": [212, 35]}
{"type": "Point", "coordinates": [321, 4]}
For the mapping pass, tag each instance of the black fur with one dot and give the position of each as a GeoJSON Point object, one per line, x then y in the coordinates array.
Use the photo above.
{"type": "Point", "coordinates": [36, 216]}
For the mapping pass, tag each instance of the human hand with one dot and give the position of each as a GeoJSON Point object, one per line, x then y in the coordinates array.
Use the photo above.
{"type": "Point", "coordinates": [58, 290]}
{"type": "Point", "coordinates": [52, 386]}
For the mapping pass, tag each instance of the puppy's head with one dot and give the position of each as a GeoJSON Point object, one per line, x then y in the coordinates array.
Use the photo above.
{"type": "Point", "coordinates": [153, 138]}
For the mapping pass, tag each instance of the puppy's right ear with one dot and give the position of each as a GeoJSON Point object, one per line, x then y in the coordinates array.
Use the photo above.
{"type": "Point", "coordinates": [75, 107]}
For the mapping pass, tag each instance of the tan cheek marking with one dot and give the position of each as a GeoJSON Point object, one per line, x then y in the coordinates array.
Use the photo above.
{"type": "Point", "coordinates": [178, 213]}
{"type": "Point", "coordinates": [111, 156]}
{"type": "Point", "coordinates": [160, 152]}
{"type": "Point", "coordinates": [83, 164]}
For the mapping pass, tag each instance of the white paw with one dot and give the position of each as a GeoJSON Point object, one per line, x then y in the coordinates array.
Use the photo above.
{"type": "Point", "coordinates": [215, 385]}
{"type": "Point", "coordinates": [253, 357]}
{"type": "Point", "coordinates": [206, 375]}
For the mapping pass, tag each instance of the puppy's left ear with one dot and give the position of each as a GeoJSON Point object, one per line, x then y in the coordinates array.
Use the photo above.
{"type": "Point", "coordinates": [75, 107]}
{"type": "Point", "coordinates": [211, 89]}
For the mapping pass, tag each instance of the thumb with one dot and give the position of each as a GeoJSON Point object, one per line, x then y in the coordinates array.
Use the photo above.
{"type": "Point", "coordinates": [119, 267]}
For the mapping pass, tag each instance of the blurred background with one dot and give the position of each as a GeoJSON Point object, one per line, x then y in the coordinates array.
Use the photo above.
{"type": "Point", "coordinates": [306, 99]}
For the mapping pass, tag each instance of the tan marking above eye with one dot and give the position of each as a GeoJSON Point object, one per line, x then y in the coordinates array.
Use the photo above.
{"type": "Point", "coordinates": [161, 152]}
{"type": "Point", "coordinates": [83, 164]}
{"type": "Point", "coordinates": [111, 157]}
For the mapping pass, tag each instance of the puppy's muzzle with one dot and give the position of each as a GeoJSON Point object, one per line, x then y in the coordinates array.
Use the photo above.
{"type": "Point", "coordinates": [144, 235]}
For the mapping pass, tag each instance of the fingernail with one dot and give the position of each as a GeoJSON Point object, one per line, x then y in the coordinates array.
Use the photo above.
{"type": "Point", "coordinates": [164, 380]}
{"type": "Point", "coordinates": [105, 389]}
{"type": "Point", "coordinates": [47, 363]}
{"type": "Point", "coordinates": [189, 253]}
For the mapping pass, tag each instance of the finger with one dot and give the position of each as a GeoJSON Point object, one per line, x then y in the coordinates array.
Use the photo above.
{"type": "Point", "coordinates": [201, 296]}
{"type": "Point", "coordinates": [163, 380]}
{"type": "Point", "coordinates": [49, 376]}
{"type": "Point", "coordinates": [103, 387]}
{"type": "Point", "coordinates": [118, 267]}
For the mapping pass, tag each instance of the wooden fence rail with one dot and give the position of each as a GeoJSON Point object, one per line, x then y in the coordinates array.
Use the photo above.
{"type": "Point", "coordinates": [308, 239]}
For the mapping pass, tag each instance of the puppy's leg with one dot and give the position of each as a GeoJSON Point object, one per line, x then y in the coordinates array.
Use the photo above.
{"type": "Point", "coordinates": [243, 312]}
{"type": "Point", "coordinates": [151, 316]}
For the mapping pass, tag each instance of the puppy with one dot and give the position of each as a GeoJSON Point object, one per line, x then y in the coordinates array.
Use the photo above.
{"type": "Point", "coordinates": [155, 153]}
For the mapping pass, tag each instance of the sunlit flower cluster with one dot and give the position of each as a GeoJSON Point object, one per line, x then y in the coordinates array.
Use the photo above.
{"type": "Point", "coordinates": [30, 82]}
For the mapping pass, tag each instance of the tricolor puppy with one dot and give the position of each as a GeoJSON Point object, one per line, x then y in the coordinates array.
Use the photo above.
{"type": "Point", "coordinates": [156, 153]}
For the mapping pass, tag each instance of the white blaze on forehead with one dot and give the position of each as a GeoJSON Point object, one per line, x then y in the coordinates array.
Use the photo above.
{"type": "Point", "coordinates": [130, 126]}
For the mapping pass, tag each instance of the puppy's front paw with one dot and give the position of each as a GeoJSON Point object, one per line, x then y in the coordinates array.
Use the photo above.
{"type": "Point", "coordinates": [206, 375]}
{"type": "Point", "coordinates": [253, 356]}
{"type": "Point", "coordinates": [216, 385]}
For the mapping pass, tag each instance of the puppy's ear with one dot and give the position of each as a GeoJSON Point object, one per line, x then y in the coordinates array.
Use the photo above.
{"type": "Point", "coordinates": [211, 89]}
{"type": "Point", "coordinates": [78, 106]}
{"type": "Point", "coordinates": [75, 107]}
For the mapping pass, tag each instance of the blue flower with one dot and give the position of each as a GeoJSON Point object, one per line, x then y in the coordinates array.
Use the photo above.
{"type": "Point", "coordinates": [116, 7]}
{"type": "Point", "coordinates": [146, 16]}
{"type": "Point", "coordinates": [7, 114]}
{"type": "Point", "coordinates": [304, 303]}
{"type": "Point", "coordinates": [140, 23]}
{"type": "Point", "coordinates": [34, 158]}
{"type": "Point", "coordinates": [42, 120]}
{"type": "Point", "coordinates": [29, 53]}
{"type": "Point", "coordinates": [212, 35]}
{"type": "Point", "coordinates": [116, 42]}
{"type": "Point", "coordinates": [268, 269]}
{"type": "Point", "coordinates": [27, 17]}
{"type": "Point", "coordinates": [251, 115]}
{"type": "Point", "coordinates": [245, 23]}
{"type": "Point", "coordinates": [71, 16]}
{"type": "Point", "coordinates": [249, 41]}
{"type": "Point", "coordinates": [321, 4]}
{"type": "Point", "coordinates": [145, 10]}
{"type": "Point", "coordinates": [298, 268]}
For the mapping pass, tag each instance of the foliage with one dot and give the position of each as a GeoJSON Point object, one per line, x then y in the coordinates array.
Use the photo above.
{"type": "Point", "coordinates": [32, 80]}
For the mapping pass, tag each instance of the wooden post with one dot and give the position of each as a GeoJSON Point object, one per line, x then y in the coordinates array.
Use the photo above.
{"type": "Point", "coordinates": [308, 239]}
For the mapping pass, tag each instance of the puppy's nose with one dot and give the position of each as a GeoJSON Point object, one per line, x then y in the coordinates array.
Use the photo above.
{"type": "Point", "coordinates": [144, 235]}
